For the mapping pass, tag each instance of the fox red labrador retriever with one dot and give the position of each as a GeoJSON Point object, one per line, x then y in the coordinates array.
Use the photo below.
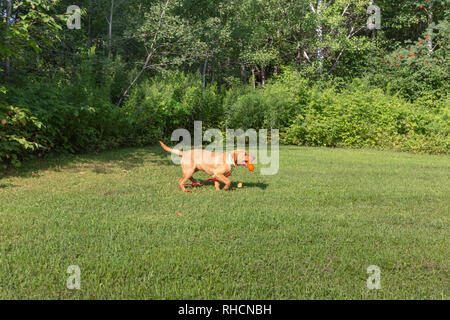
{"type": "Point", "coordinates": [216, 164]}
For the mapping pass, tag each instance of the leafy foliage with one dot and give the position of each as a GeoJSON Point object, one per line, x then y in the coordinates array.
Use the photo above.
{"type": "Point", "coordinates": [138, 69]}
{"type": "Point", "coordinates": [361, 116]}
{"type": "Point", "coordinates": [420, 68]}
{"type": "Point", "coordinates": [160, 105]}
{"type": "Point", "coordinates": [19, 134]}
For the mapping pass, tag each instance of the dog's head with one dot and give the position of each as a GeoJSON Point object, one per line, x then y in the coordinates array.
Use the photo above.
{"type": "Point", "coordinates": [243, 158]}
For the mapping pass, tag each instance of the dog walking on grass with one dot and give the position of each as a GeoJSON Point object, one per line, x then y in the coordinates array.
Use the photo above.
{"type": "Point", "coordinates": [216, 164]}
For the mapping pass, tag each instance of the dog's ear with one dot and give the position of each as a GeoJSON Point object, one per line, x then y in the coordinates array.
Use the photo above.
{"type": "Point", "coordinates": [239, 157]}
{"type": "Point", "coordinates": [248, 156]}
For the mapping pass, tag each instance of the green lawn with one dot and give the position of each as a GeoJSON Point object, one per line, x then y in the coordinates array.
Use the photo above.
{"type": "Point", "coordinates": [309, 232]}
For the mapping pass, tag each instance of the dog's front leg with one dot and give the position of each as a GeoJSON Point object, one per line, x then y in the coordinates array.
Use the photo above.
{"type": "Point", "coordinates": [225, 180]}
{"type": "Point", "coordinates": [217, 185]}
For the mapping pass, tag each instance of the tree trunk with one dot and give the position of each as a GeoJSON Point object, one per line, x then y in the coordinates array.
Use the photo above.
{"type": "Point", "coordinates": [430, 21]}
{"type": "Point", "coordinates": [212, 71]}
{"type": "Point", "coordinates": [263, 76]}
{"type": "Point", "coordinates": [205, 65]}
{"type": "Point", "coordinates": [253, 78]}
{"type": "Point", "coordinates": [89, 26]}
{"type": "Point", "coordinates": [319, 36]}
{"type": "Point", "coordinates": [110, 24]}
{"type": "Point", "coordinates": [8, 23]}
{"type": "Point", "coordinates": [151, 51]}
{"type": "Point", "coordinates": [243, 74]}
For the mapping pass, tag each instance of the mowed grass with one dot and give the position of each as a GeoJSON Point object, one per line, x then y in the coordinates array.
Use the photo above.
{"type": "Point", "coordinates": [309, 232]}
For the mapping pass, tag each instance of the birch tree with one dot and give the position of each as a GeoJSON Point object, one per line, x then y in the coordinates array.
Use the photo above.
{"type": "Point", "coordinates": [168, 40]}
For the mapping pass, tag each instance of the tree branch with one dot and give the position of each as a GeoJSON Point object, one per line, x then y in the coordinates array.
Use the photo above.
{"type": "Point", "coordinates": [306, 56]}
{"type": "Point", "coordinates": [346, 8]}
{"type": "Point", "coordinates": [149, 55]}
{"type": "Point", "coordinates": [336, 62]}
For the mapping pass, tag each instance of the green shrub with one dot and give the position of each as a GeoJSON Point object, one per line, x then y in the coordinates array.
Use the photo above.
{"type": "Point", "coordinates": [158, 106]}
{"type": "Point", "coordinates": [416, 72]}
{"type": "Point", "coordinates": [66, 116]}
{"type": "Point", "coordinates": [19, 134]}
{"type": "Point", "coordinates": [78, 115]}
{"type": "Point", "coordinates": [247, 111]}
{"type": "Point", "coordinates": [361, 116]}
{"type": "Point", "coordinates": [273, 106]}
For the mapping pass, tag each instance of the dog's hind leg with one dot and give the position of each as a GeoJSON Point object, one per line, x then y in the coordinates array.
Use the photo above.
{"type": "Point", "coordinates": [193, 180]}
{"type": "Point", "coordinates": [192, 177]}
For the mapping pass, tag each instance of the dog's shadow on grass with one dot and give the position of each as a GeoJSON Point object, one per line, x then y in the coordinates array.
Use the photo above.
{"type": "Point", "coordinates": [260, 185]}
{"type": "Point", "coordinates": [234, 185]}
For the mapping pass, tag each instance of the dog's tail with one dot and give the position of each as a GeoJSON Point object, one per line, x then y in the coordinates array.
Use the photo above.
{"type": "Point", "coordinates": [174, 151]}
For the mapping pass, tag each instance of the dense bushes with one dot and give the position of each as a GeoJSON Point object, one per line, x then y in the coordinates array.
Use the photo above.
{"type": "Point", "coordinates": [360, 116]}
{"type": "Point", "coordinates": [64, 116]}
{"type": "Point", "coordinates": [335, 114]}
{"type": "Point", "coordinates": [160, 105]}
{"type": "Point", "coordinates": [275, 106]}
{"type": "Point", "coordinates": [326, 114]}
{"type": "Point", "coordinates": [419, 69]}
{"type": "Point", "coordinates": [19, 134]}
{"type": "Point", "coordinates": [73, 120]}
{"type": "Point", "coordinates": [79, 116]}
